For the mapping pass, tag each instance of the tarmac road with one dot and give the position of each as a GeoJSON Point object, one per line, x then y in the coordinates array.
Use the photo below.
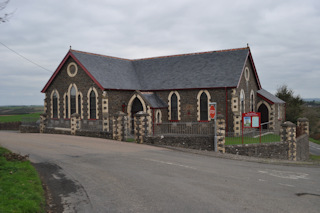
{"type": "Point", "coordinates": [98, 175]}
{"type": "Point", "coordinates": [314, 148]}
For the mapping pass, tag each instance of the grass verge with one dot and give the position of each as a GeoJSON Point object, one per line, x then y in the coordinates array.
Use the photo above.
{"type": "Point", "coordinates": [314, 141]}
{"type": "Point", "coordinates": [16, 118]}
{"type": "Point", "coordinates": [249, 140]}
{"type": "Point", "coordinates": [315, 157]}
{"type": "Point", "coordinates": [20, 186]}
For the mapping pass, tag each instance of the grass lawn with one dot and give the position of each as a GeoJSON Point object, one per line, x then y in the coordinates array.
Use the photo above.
{"type": "Point", "coordinates": [314, 141]}
{"type": "Point", "coordinates": [315, 157]}
{"type": "Point", "coordinates": [20, 187]}
{"type": "Point", "coordinates": [16, 118]}
{"type": "Point", "coordinates": [249, 140]}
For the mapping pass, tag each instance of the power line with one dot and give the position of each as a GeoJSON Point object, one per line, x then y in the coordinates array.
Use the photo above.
{"type": "Point", "coordinates": [25, 57]}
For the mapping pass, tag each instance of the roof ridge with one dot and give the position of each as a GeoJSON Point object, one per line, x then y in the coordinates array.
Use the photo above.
{"type": "Point", "coordinates": [106, 56]}
{"type": "Point", "coordinates": [195, 53]}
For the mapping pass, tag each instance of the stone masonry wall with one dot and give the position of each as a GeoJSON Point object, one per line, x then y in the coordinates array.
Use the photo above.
{"type": "Point", "coordinates": [191, 142]}
{"type": "Point", "coordinates": [277, 150]}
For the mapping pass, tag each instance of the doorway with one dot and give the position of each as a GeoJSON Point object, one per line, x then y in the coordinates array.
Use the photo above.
{"type": "Point", "coordinates": [263, 109]}
{"type": "Point", "coordinates": [136, 107]}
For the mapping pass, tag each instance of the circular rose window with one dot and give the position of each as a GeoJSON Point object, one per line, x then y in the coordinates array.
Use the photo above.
{"type": "Point", "coordinates": [72, 69]}
{"type": "Point", "coordinates": [247, 73]}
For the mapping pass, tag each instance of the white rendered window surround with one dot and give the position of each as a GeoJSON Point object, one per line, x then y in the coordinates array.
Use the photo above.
{"type": "Point", "coordinates": [174, 106]}
{"type": "Point", "coordinates": [158, 116]}
{"type": "Point", "coordinates": [242, 102]}
{"type": "Point", "coordinates": [72, 69]}
{"type": "Point", "coordinates": [252, 101]}
{"type": "Point", "coordinates": [247, 73]}
{"type": "Point", "coordinates": [55, 93]}
{"type": "Point", "coordinates": [89, 95]}
{"type": "Point", "coordinates": [199, 104]}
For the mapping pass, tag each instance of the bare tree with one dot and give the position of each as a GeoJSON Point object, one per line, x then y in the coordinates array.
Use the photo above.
{"type": "Point", "coordinates": [5, 17]}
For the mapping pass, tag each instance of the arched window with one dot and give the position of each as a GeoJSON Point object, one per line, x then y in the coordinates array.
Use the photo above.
{"type": "Point", "coordinates": [79, 105]}
{"type": "Point", "coordinates": [203, 107]}
{"type": "Point", "coordinates": [174, 107]}
{"type": "Point", "coordinates": [73, 104]}
{"type": "Point", "coordinates": [93, 105]}
{"type": "Point", "coordinates": [252, 101]}
{"type": "Point", "coordinates": [67, 106]}
{"type": "Point", "coordinates": [55, 105]}
{"type": "Point", "coordinates": [158, 117]}
{"type": "Point", "coordinates": [242, 102]}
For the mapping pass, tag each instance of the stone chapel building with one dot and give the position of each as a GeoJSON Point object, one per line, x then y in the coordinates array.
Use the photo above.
{"type": "Point", "coordinates": [175, 88]}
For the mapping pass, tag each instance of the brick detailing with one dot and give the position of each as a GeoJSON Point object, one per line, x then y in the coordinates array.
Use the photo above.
{"type": "Point", "coordinates": [288, 134]}
{"type": "Point", "coordinates": [120, 126]}
{"type": "Point", "coordinates": [303, 125]}
{"type": "Point", "coordinates": [198, 103]}
{"type": "Point", "coordinates": [105, 112]}
{"type": "Point", "coordinates": [221, 132]}
{"type": "Point", "coordinates": [141, 126]}
{"type": "Point", "coordinates": [75, 123]}
{"type": "Point", "coordinates": [236, 113]}
{"type": "Point", "coordinates": [43, 122]}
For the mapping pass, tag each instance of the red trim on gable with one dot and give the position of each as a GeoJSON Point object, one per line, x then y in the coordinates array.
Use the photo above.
{"type": "Point", "coordinates": [254, 70]}
{"type": "Point", "coordinates": [264, 98]}
{"type": "Point", "coordinates": [88, 73]}
{"type": "Point", "coordinates": [69, 54]}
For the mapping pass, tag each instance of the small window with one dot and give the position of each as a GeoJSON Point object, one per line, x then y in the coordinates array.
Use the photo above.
{"type": "Point", "coordinates": [158, 117]}
{"type": "Point", "coordinates": [252, 101]}
{"type": "Point", "coordinates": [92, 105]}
{"type": "Point", "coordinates": [174, 107]}
{"type": "Point", "coordinates": [247, 74]}
{"type": "Point", "coordinates": [242, 102]}
{"type": "Point", "coordinates": [55, 105]}
{"type": "Point", "coordinates": [73, 105]}
{"type": "Point", "coordinates": [67, 107]}
{"type": "Point", "coordinates": [79, 105]}
{"type": "Point", "coordinates": [72, 69]}
{"type": "Point", "coordinates": [203, 107]}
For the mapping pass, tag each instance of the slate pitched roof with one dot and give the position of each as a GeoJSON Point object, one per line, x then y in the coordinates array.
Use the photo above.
{"type": "Point", "coordinates": [215, 69]}
{"type": "Point", "coordinates": [269, 97]}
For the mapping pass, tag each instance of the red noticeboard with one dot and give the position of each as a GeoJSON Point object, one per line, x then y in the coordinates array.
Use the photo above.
{"type": "Point", "coordinates": [212, 112]}
{"type": "Point", "coordinates": [251, 120]}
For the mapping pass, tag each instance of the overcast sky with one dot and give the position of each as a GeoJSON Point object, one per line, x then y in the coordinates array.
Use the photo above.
{"type": "Point", "coordinates": [284, 37]}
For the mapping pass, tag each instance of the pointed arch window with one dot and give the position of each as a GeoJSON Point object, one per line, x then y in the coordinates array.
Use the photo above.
{"type": "Point", "coordinates": [67, 106]}
{"type": "Point", "coordinates": [242, 102]}
{"type": "Point", "coordinates": [174, 107]}
{"type": "Point", "coordinates": [73, 104]}
{"type": "Point", "coordinates": [79, 105]}
{"type": "Point", "coordinates": [252, 101]}
{"type": "Point", "coordinates": [55, 105]}
{"type": "Point", "coordinates": [203, 107]}
{"type": "Point", "coordinates": [93, 109]}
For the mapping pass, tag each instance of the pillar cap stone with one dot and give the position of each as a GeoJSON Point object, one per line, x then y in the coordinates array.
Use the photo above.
{"type": "Point", "coordinates": [141, 113]}
{"type": "Point", "coordinates": [120, 113]}
{"type": "Point", "coordinates": [43, 114]}
{"type": "Point", "coordinates": [288, 124]}
{"type": "Point", "coordinates": [76, 115]}
{"type": "Point", "coordinates": [303, 119]}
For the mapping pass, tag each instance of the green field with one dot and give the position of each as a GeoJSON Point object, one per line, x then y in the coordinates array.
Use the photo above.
{"type": "Point", "coordinates": [16, 110]}
{"type": "Point", "coordinates": [16, 118]}
{"type": "Point", "coordinates": [20, 186]}
{"type": "Point", "coordinates": [249, 140]}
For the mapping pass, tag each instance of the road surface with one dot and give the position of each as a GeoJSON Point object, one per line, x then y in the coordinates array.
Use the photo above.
{"type": "Point", "coordinates": [100, 175]}
{"type": "Point", "coordinates": [314, 148]}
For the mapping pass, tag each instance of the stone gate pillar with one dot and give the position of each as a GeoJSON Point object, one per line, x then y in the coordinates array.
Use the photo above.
{"type": "Point", "coordinates": [303, 124]}
{"type": "Point", "coordinates": [288, 134]}
{"type": "Point", "coordinates": [120, 126]}
{"type": "Point", "coordinates": [75, 123]}
{"type": "Point", "coordinates": [141, 126]}
{"type": "Point", "coordinates": [43, 122]}
{"type": "Point", "coordinates": [221, 133]}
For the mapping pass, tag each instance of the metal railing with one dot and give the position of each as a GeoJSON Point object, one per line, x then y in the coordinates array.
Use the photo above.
{"type": "Point", "coordinates": [184, 128]}
{"type": "Point", "coordinates": [30, 121]}
{"type": "Point", "coordinates": [253, 136]}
